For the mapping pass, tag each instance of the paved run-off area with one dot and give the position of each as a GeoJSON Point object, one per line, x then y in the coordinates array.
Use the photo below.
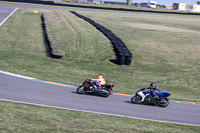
{"type": "Point", "coordinates": [33, 91]}
{"type": "Point", "coordinates": [5, 12]}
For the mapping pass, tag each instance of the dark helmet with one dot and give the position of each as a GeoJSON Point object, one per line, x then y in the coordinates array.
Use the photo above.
{"type": "Point", "coordinates": [153, 84]}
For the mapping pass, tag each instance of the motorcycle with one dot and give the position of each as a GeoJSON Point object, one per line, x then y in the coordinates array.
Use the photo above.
{"type": "Point", "coordinates": [89, 87]}
{"type": "Point", "coordinates": [161, 100]}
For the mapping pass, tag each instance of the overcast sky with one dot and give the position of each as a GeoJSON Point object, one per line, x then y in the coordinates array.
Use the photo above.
{"type": "Point", "coordinates": [162, 2]}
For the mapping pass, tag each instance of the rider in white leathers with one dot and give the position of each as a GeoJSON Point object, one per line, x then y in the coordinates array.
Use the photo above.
{"type": "Point", "coordinates": [100, 80]}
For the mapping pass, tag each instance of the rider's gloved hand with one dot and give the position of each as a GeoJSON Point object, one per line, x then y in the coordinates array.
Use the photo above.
{"type": "Point", "coordinates": [143, 88]}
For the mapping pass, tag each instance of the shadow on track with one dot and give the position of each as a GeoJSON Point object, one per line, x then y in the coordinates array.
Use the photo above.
{"type": "Point", "coordinates": [147, 104]}
{"type": "Point", "coordinates": [88, 94]}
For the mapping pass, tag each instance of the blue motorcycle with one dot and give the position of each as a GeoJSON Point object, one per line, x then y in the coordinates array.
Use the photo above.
{"type": "Point", "coordinates": [161, 100]}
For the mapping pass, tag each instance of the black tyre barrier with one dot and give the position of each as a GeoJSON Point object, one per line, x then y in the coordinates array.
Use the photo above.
{"type": "Point", "coordinates": [50, 42]}
{"type": "Point", "coordinates": [121, 59]}
{"type": "Point", "coordinates": [124, 56]}
{"type": "Point", "coordinates": [128, 57]}
{"type": "Point", "coordinates": [50, 2]}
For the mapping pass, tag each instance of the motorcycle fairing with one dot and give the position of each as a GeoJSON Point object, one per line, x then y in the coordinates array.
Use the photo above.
{"type": "Point", "coordinates": [164, 94]}
{"type": "Point", "coordinates": [86, 85]}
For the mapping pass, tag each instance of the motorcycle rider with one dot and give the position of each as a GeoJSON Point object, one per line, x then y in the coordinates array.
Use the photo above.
{"type": "Point", "coordinates": [153, 89]}
{"type": "Point", "coordinates": [100, 81]}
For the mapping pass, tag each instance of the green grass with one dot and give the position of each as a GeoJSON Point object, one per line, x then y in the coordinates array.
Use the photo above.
{"type": "Point", "coordinates": [79, 43]}
{"type": "Point", "coordinates": [165, 50]}
{"type": "Point", "coordinates": [22, 118]}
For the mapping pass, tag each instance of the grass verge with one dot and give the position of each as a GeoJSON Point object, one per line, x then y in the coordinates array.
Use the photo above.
{"type": "Point", "coordinates": [19, 118]}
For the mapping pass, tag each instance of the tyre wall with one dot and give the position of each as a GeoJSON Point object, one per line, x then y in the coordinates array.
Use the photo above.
{"type": "Point", "coordinates": [50, 41]}
{"type": "Point", "coordinates": [124, 56]}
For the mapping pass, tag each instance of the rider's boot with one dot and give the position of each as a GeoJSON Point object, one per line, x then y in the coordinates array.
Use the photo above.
{"type": "Point", "coordinates": [155, 97]}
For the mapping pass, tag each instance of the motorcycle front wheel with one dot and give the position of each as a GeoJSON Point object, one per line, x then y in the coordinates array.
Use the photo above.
{"type": "Point", "coordinates": [136, 99]}
{"type": "Point", "coordinates": [105, 93]}
{"type": "Point", "coordinates": [80, 90]}
{"type": "Point", "coordinates": [164, 102]}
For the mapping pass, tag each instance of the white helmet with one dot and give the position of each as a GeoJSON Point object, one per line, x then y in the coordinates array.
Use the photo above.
{"type": "Point", "coordinates": [99, 77]}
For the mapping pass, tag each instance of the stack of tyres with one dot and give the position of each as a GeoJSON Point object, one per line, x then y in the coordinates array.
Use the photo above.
{"type": "Point", "coordinates": [121, 58]}
{"type": "Point", "coordinates": [118, 50]}
{"type": "Point", "coordinates": [109, 35]}
{"type": "Point", "coordinates": [124, 56]}
{"type": "Point", "coordinates": [128, 57]}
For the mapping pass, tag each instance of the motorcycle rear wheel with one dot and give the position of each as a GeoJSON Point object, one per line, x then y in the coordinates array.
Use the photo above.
{"type": "Point", "coordinates": [164, 102]}
{"type": "Point", "coordinates": [80, 90]}
{"type": "Point", "coordinates": [136, 99]}
{"type": "Point", "coordinates": [105, 94]}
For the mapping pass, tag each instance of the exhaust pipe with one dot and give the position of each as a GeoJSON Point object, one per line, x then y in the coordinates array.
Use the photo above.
{"type": "Point", "coordinates": [103, 91]}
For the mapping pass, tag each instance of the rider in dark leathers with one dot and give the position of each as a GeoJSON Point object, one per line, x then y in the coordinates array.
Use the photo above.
{"type": "Point", "coordinates": [154, 89]}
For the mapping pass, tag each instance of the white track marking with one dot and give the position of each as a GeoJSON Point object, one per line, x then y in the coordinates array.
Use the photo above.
{"type": "Point", "coordinates": [93, 112]}
{"type": "Point", "coordinates": [8, 16]}
{"type": "Point", "coordinates": [17, 75]}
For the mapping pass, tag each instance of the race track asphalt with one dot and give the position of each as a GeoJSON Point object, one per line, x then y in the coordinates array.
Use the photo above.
{"type": "Point", "coordinates": [37, 92]}
{"type": "Point", "coordinates": [5, 11]}
{"type": "Point", "coordinates": [34, 91]}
